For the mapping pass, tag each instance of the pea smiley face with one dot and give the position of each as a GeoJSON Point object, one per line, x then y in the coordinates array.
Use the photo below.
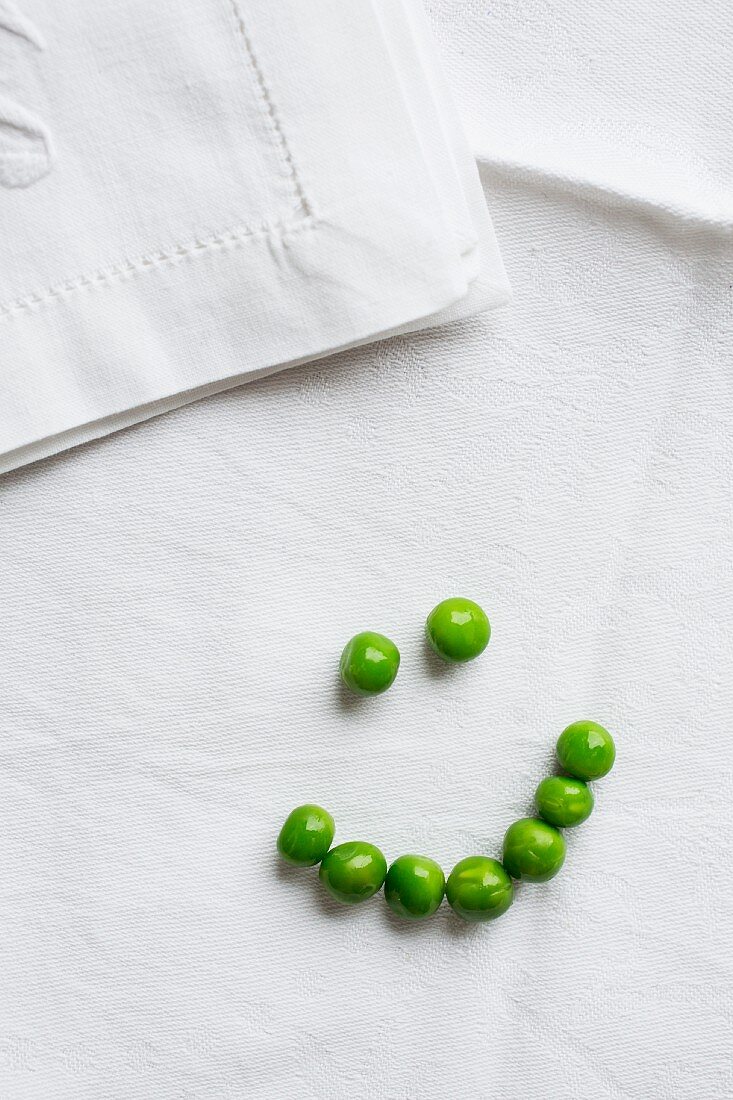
{"type": "Point", "coordinates": [479, 888]}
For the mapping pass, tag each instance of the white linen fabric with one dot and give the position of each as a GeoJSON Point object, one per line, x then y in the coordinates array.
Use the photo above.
{"type": "Point", "coordinates": [174, 601]}
{"type": "Point", "coordinates": [215, 190]}
{"type": "Point", "coordinates": [626, 100]}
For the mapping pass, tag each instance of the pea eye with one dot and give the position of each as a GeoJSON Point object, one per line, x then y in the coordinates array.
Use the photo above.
{"type": "Point", "coordinates": [458, 630]}
{"type": "Point", "coordinates": [369, 663]}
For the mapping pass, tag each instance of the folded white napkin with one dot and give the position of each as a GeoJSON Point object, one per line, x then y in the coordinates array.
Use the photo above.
{"type": "Point", "coordinates": [194, 194]}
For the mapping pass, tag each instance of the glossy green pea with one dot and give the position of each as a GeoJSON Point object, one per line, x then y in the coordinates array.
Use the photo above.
{"type": "Point", "coordinates": [353, 872]}
{"type": "Point", "coordinates": [458, 629]}
{"type": "Point", "coordinates": [306, 835]}
{"type": "Point", "coordinates": [479, 889]}
{"type": "Point", "coordinates": [586, 750]}
{"type": "Point", "coordinates": [369, 663]}
{"type": "Point", "coordinates": [563, 801]}
{"type": "Point", "coordinates": [414, 886]}
{"type": "Point", "coordinates": [533, 850]}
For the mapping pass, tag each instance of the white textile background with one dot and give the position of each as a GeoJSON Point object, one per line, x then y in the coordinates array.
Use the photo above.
{"type": "Point", "coordinates": [632, 100]}
{"type": "Point", "coordinates": [174, 600]}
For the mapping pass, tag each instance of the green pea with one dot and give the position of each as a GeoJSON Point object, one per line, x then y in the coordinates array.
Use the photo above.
{"type": "Point", "coordinates": [369, 663]}
{"type": "Point", "coordinates": [458, 629]}
{"type": "Point", "coordinates": [414, 886]}
{"type": "Point", "coordinates": [479, 889]}
{"type": "Point", "coordinates": [563, 801]}
{"type": "Point", "coordinates": [306, 835]}
{"type": "Point", "coordinates": [353, 872]}
{"type": "Point", "coordinates": [586, 750]}
{"type": "Point", "coordinates": [533, 850]}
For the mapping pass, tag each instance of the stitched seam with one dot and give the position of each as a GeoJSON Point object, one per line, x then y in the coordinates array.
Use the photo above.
{"type": "Point", "coordinates": [270, 112]}
{"type": "Point", "coordinates": [130, 268]}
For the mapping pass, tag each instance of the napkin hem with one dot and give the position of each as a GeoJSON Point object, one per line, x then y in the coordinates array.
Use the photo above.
{"type": "Point", "coordinates": [280, 298]}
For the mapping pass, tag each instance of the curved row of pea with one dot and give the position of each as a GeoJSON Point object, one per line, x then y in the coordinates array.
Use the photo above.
{"type": "Point", "coordinates": [478, 888]}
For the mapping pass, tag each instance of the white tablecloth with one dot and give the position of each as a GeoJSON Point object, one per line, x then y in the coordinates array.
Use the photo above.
{"type": "Point", "coordinates": [174, 601]}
